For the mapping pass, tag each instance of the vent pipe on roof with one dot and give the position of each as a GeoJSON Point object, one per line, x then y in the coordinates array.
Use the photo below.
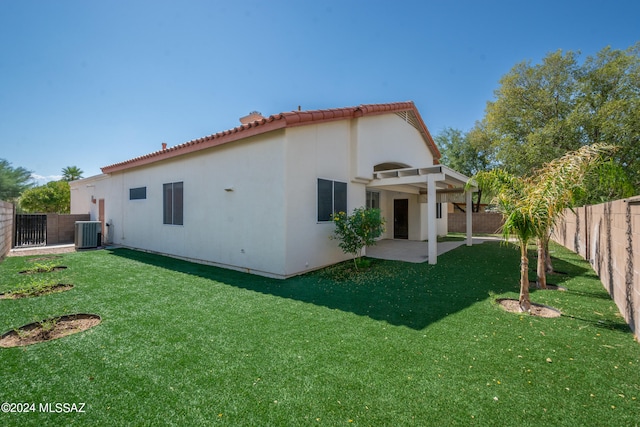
{"type": "Point", "coordinates": [251, 117]}
{"type": "Point", "coordinates": [164, 146]}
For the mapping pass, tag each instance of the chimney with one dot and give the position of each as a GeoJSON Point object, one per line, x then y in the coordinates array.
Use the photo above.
{"type": "Point", "coordinates": [251, 117]}
{"type": "Point", "coordinates": [164, 146]}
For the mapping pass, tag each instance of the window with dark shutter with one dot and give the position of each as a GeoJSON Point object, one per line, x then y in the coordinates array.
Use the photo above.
{"type": "Point", "coordinates": [172, 202]}
{"type": "Point", "coordinates": [138, 193]}
{"type": "Point", "coordinates": [332, 198]}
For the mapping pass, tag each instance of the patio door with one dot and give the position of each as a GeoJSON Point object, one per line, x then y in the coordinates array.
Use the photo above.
{"type": "Point", "coordinates": [401, 219]}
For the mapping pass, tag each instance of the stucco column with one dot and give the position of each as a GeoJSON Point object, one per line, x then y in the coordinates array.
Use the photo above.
{"type": "Point", "coordinates": [431, 217]}
{"type": "Point", "coordinates": [469, 217]}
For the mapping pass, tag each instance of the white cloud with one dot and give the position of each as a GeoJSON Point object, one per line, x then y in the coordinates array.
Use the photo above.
{"type": "Point", "coordinates": [41, 180]}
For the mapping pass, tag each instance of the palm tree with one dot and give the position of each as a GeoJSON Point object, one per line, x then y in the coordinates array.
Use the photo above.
{"type": "Point", "coordinates": [555, 190]}
{"type": "Point", "coordinates": [510, 196]}
{"type": "Point", "coordinates": [13, 181]}
{"type": "Point", "coordinates": [71, 173]}
{"type": "Point", "coordinates": [531, 205]}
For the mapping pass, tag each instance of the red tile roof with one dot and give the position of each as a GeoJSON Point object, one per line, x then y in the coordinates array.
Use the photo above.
{"type": "Point", "coordinates": [279, 121]}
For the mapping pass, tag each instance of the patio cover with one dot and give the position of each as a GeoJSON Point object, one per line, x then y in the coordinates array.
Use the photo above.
{"type": "Point", "coordinates": [440, 184]}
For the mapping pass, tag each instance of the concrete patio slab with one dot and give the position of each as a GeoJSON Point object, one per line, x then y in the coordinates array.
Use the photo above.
{"type": "Point", "coordinates": [415, 251]}
{"type": "Point", "coordinates": [42, 250]}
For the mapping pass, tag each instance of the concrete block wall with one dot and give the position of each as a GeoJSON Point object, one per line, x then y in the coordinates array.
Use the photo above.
{"type": "Point", "coordinates": [6, 227]}
{"type": "Point", "coordinates": [608, 236]}
{"type": "Point", "coordinates": [61, 228]}
{"type": "Point", "coordinates": [483, 222]}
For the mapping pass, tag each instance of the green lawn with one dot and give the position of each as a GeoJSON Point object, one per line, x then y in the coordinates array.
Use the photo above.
{"type": "Point", "coordinates": [398, 344]}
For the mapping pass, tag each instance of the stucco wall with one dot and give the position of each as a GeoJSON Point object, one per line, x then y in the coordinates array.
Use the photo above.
{"type": "Point", "coordinates": [7, 215]}
{"type": "Point", "coordinates": [390, 139]}
{"type": "Point", "coordinates": [345, 151]}
{"type": "Point", "coordinates": [312, 152]}
{"type": "Point", "coordinates": [242, 228]}
{"type": "Point", "coordinates": [85, 191]}
{"type": "Point", "coordinates": [387, 138]}
{"type": "Point", "coordinates": [267, 222]}
{"type": "Point", "coordinates": [418, 222]}
{"type": "Point", "coordinates": [608, 236]}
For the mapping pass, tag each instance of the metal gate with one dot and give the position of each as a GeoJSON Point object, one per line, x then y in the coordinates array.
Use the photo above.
{"type": "Point", "coordinates": [31, 230]}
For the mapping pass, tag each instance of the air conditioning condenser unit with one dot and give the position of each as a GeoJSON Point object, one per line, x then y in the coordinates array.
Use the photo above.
{"type": "Point", "coordinates": [88, 234]}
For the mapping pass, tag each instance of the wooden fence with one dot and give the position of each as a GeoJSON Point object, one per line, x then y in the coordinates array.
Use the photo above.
{"type": "Point", "coordinates": [608, 236]}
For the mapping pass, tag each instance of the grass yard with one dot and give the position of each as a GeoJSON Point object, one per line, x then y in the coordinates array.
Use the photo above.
{"type": "Point", "coordinates": [398, 344]}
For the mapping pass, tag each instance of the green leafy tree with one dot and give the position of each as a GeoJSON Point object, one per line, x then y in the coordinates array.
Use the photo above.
{"type": "Point", "coordinates": [608, 112]}
{"type": "Point", "coordinates": [606, 181]}
{"type": "Point", "coordinates": [455, 150]}
{"type": "Point", "coordinates": [357, 230]}
{"type": "Point", "coordinates": [528, 119]}
{"type": "Point", "coordinates": [53, 197]}
{"type": "Point", "coordinates": [13, 181]}
{"type": "Point", "coordinates": [545, 110]}
{"type": "Point", "coordinates": [467, 153]}
{"type": "Point", "coordinates": [71, 173]}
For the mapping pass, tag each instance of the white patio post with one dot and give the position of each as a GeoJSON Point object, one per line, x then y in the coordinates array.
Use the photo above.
{"type": "Point", "coordinates": [469, 217]}
{"type": "Point", "coordinates": [431, 216]}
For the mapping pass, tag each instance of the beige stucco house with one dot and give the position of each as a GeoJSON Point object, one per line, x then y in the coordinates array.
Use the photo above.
{"type": "Point", "coordinates": [259, 197]}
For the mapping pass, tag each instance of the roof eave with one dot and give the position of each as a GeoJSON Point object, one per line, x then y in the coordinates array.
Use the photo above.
{"type": "Point", "coordinates": [220, 138]}
{"type": "Point", "coordinates": [279, 121]}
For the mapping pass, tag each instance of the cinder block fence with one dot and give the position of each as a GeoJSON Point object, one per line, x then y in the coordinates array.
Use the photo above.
{"type": "Point", "coordinates": [483, 222]}
{"type": "Point", "coordinates": [608, 236]}
{"type": "Point", "coordinates": [6, 227]}
{"type": "Point", "coordinates": [61, 228]}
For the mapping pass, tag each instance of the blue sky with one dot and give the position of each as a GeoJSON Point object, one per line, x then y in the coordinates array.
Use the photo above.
{"type": "Point", "coordinates": [90, 83]}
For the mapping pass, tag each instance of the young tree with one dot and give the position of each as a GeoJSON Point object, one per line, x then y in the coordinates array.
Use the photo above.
{"type": "Point", "coordinates": [53, 197]}
{"type": "Point", "coordinates": [532, 205]}
{"type": "Point", "coordinates": [357, 230]}
{"type": "Point", "coordinates": [509, 193]}
{"type": "Point", "coordinates": [554, 189]}
{"type": "Point", "coordinates": [71, 173]}
{"type": "Point", "coordinates": [13, 181]}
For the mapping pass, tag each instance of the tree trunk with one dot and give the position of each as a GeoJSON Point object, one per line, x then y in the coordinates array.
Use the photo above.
{"type": "Point", "coordinates": [525, 303]}
{"type": "Point", "coordinates": [355, 258]}
{"type": "Point", "coordinates": [477, 208]}
{"type": "Point", "coordinates": [548, 264]}
{"type": "Point", "coordinates": [541, 281]}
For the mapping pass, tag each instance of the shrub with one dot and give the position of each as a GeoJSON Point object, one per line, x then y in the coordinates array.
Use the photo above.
{"type": "Point", "coordinates": [357, 230]}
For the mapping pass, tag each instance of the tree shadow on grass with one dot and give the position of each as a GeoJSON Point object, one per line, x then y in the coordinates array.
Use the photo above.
{"type": "Point", "coordinates": [611, 325]}
{"type": "Point", "coordinates": [565, 270]}
{"type": "Point", "coordinates": [402, 294]}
